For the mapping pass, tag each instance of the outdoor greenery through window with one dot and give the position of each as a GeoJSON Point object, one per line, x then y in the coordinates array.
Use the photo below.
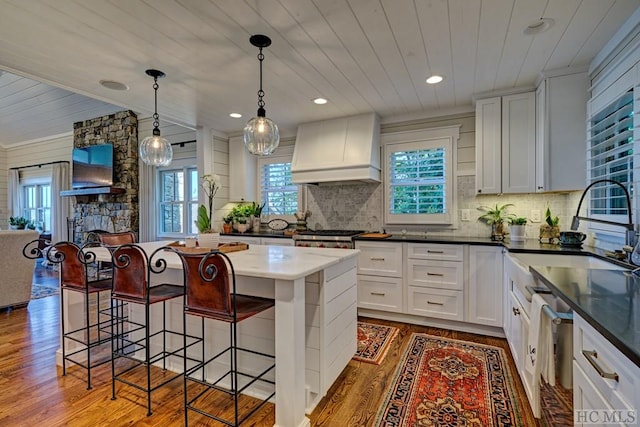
{"type": "Point", "coordinates": [418, 183]}
{"type": "Point", "coordinates": [610, 155]}
{"type": "Point", "coordinates": [278, 193]}
{"type": "Point", "coordinates": [37, 205]}
{"type": "Point", "coordinates": [178, 201]}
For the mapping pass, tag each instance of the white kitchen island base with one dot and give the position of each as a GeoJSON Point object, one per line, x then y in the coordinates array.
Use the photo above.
{"type": "Point", "coordinates": [312, 329]}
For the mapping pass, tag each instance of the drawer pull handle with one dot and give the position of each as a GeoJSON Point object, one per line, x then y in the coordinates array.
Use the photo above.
{"type": "Point", "coordinates": [591, 357]}
{"type": "Point", "coordinates": [380, 294]}
{"type": "Point", "coordinates": [434, 274]}
{"type": "Point", "coordinates": [516, 311]}
{"type": "Point", "coordinates": [429, 251]}
{"type": "Point", "coordinates": [435, 303]}
{"type": "Point", "coordinates": [376, 259]}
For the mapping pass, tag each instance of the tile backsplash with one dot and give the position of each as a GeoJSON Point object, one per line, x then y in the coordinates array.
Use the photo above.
{"type": "Point", "coordinates": [360, 206]}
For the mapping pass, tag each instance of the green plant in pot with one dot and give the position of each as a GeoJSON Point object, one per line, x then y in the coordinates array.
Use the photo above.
{"type": "Point", "coordinates": [19, 222]}
{"type": "Point", "coordinates": [495, 217]}
{"type": "Point", "coordinates": [208, 237]}
{"type": "Point", "coordinates": [227, 227]}
{"type": "Point", "coordinates": [549, 229]}
{"type": "Point", "coordinates": [517, 226]}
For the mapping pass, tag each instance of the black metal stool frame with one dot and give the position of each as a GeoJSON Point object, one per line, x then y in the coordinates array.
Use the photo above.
{"type": "Point", "coordinates": [208, 273]}
{"type": "Point", "coordinates": [123, 346]}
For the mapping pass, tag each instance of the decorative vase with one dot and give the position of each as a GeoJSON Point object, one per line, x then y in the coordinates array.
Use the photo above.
{"type": "Point", "coordinates": [548, 232]}
{"type": "Point", "coordinates": [208, 240]}
{"type": "Point", "coordinates": [227, 228]}
{"type": "Point", "coordinates": [497, 231]}
{"type": "Point", "coordinates": [517, 232]}
{"type": "Point", "coordinates": [241, 227]}
{"type": "Point", "coordinates": [255, 226]}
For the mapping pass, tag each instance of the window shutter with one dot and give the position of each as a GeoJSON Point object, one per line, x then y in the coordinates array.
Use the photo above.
{"type": "Point", "coordinates": [418, 181]}
{"type": "Point", "coordinates": [610, 155]}
{"type": "Point", "coordinates": [279, 194]}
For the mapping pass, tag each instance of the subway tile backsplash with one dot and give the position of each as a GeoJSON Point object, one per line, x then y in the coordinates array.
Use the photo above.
{"type": "Point", "coordinates": [360, 206]}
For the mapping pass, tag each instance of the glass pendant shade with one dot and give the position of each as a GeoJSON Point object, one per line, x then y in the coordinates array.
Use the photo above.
{"type": "Point", "coordinates": [261, 136]}
{"type": "Point", "coordinates": [156, 151]}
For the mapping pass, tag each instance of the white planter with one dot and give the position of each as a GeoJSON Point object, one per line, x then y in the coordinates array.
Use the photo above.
{"type": "Point", "coordinates": [517, 232]}
{"type": "Point", "coordinates": [208, 240]}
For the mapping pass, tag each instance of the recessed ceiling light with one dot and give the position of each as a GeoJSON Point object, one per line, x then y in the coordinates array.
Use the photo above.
{"type": "Point", "coordinates": [235, 115]}
{"type": "Point", "coordinates": [434, 79]}
{"type": "Point", "coordinates": [540, 26]}
{"type": "Point", "coordinates": [113, 85]}
{"type": "Point", "coordinates": [320, 101]}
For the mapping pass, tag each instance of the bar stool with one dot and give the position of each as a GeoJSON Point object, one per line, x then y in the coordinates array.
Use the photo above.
{"type": "Point", "coordinates": [74, 276]}
{"type": "Point", "coordinates": [116, 239]}
{"type": "Point", "coordinates": [210, 284]}
{"type": "Point", "coordinates": [132, 272]}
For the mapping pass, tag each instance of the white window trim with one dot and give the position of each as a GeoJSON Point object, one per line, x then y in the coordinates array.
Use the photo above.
{"type": "Point", "coordinates": [183, 164]}
{"type": "Point", "coordinates": [282, 155]}
{"type": "Point", "coordinates": [446, 136]}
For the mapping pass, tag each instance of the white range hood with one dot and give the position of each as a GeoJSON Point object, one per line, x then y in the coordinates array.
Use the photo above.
{"type": "Point", "coordinates": [337, 150]}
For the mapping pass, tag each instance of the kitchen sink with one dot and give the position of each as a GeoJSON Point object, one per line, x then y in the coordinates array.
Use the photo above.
{"type": "Point", "coordinates": [573, 261]}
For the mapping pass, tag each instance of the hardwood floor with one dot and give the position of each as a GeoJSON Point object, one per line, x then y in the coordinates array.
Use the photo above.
{"type": "Point", "coordinates": [35, 393]}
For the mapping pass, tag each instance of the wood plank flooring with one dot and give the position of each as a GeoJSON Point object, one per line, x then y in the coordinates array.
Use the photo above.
{"type": "Point", "coordinates": [35, 393]}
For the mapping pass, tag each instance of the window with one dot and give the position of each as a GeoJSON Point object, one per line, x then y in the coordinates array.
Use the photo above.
{"type": "Point", "coordinates": [419, 177]}
{"type": "Point", "coordinates": [279, 195]}
{"type": "Point", "coordinates": [610, 156]}
{"type": "Point", "coordinates": [178, 201]}
{"type": "Point", "coordinates": [37, 205]}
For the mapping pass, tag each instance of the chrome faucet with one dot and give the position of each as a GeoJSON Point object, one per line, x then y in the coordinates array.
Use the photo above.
{"type": "Point", "coordinates": [630, 234]}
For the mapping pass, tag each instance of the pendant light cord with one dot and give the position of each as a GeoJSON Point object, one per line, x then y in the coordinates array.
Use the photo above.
{"type": "Point", "coordinates": [261, 112]}
{"type": "Point", "coordinates": [156, 117]}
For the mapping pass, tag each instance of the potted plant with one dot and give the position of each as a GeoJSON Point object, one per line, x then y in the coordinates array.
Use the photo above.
{"type": "Point", "coordinates": [227, 227]}
{"type": "Point", "coordinates": [19, 222]}
{"type": "Point", "coordinates": [241, 224]}
{"type": "Point", "coordinates": [517, 226]}
{"type": "Point", "coordinates": [495, 217]}
{"type": "Point", "coordinates": [549, 229]}
{"type": "Point", "coordinates": [256, 211]}
{"type": "Point", "coordinates": [207, 236]}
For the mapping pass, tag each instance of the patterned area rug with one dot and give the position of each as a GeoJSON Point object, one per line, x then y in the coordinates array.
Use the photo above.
{"type": "Point", "coordinates": [445, 382]}
{"type": "Point", "coordinates": [42, 291]}
{"type": "Point", "coordinates": [557, 405]}
{"type": "Point", "coordinates": [374, 342]}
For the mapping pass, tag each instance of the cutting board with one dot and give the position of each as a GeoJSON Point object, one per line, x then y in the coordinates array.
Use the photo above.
{"type": "Point", "coordinates": [375, 235]}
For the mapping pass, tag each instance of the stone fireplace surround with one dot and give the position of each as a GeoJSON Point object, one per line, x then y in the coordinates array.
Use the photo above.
{"type": "Point", "coordinates": [109, 212]}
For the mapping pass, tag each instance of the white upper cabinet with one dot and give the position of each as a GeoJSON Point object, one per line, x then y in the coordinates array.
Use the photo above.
{"type": "Point", "coordinates": [561, 111]}
{"type": "Point", "coordinates": [505, 144]}
{"type": "Point", "coordinates": [242, 172]}
{"type": "Point", "coordinates": [488, 146]}
{"type": "Point", "coordinates": [519, 143]}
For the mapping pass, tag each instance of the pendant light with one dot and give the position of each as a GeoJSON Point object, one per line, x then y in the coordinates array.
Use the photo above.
{"type": "Point", "coordinates": [155, 150]}
{"type": "Point", "coordinates": [261, 134]}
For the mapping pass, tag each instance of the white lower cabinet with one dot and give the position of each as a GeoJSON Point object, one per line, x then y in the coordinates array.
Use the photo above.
{"type": "Point", "coordinates": [380, 276]}
{"type": "Point", "coordinates": [244, 239]}
{"type": "Point", "coordinates": [606, 382]}
{"type": "Point", "coordinates": [433, 302]}
{"type": "Point", "coordinates": [484, 287]}
{"type": "Point", "coordinates": [380, 293]}
{"type": "Point", "coordinates": [276, 241]}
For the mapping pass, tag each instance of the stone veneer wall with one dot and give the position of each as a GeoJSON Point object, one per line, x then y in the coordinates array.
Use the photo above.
{"type": "Point", "coordinates": [113, 213]}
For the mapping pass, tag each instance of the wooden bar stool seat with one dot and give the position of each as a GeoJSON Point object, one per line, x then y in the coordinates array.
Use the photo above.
{"type": "Point", "coordinates": [135, 348]}
{"type": "Point", "coordinates": [210, 284]}
{"type": "Point", "coordinates": [81, 344]}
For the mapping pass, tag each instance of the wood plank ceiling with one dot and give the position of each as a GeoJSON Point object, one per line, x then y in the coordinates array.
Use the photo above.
{"type": "Point", "coordinates": [362, 55]}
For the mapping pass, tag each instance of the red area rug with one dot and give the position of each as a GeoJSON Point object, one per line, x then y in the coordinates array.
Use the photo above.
{"type": "Point", "coordinates": [374, 342]}
{"type": "Point", "coordinates": [445, 382]}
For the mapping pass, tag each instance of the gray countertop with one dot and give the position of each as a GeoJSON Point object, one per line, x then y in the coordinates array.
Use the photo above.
{"type": "Point", "coordinates": [608, 299]}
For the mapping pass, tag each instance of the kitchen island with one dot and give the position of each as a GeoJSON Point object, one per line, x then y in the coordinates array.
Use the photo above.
{"type": "Point", "coordinates": [313, 335]}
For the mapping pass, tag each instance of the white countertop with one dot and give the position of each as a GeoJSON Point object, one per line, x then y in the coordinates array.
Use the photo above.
{"type": "Point", "coordinates": [272, 262]}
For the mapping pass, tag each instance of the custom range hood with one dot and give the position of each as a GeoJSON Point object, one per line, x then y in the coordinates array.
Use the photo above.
{"type": "Point", "coordinates": [337, 151]}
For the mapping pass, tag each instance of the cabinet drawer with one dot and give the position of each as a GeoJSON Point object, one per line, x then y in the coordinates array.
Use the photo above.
{"type": "Point", "coordinates": [435, 274]}
{"type": "Point", "coordinates": [439, 303]}
{"type": "Point", "coordinates": [380, 293]}
{"type": "Point", "coordinates": [380, 258]}
{"type": "Point", "coordinates": [585, 398]}
{"type": "Point", "coordinates": [592, 351]}
{"type": "Point", "coordinates": [435, 251]}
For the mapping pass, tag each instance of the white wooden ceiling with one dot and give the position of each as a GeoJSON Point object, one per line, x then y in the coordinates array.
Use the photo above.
{"type": "Point", "coordinates": [362, 55]}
